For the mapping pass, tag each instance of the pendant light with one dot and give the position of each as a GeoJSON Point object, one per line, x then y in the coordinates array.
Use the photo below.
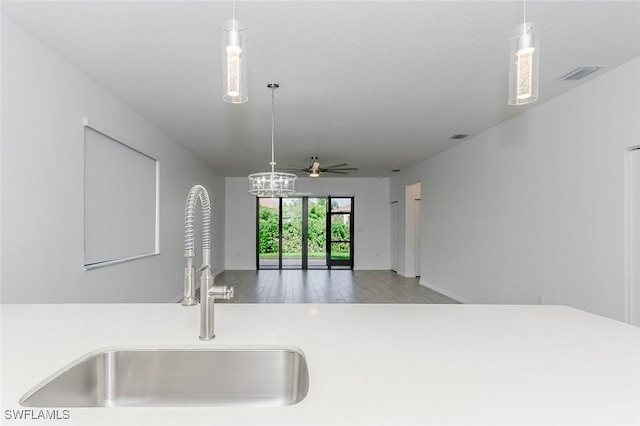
{"type": "Point", "coordinates": [234, 53]}
{"type": "Point", "coordinates": [523, 64]}
{"type": "Point", "coordinates": [272, 184]}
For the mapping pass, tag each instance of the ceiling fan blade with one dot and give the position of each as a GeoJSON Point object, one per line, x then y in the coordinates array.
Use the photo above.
{"type": "Point", "coordinates": [344, 168]}
{"type": "Point", "coordinates": [336, 165]}
{"type": "Point", "coordinates": [336, 171]}
{"type": "Point", "coordinates": [299, 173]}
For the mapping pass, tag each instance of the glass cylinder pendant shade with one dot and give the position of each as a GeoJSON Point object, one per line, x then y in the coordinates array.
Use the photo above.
{"type": "Point", "coordinates": [523, 66]}
{"type": "Point", "coordinates": [234, 65]}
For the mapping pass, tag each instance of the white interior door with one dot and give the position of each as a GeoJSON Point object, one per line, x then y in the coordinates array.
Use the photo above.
{"type": "Point", "coordinates": [416, 218]}
{"type": "Point", "coordinates": [394, 236]}
{"type": "Point", "coordinates": [634, 198]}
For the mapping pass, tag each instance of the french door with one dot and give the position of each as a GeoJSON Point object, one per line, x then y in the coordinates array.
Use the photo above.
{"type": "Point", "coordinates": [340, 232]}
{"type": "Point", "coordinates": [304, 233]}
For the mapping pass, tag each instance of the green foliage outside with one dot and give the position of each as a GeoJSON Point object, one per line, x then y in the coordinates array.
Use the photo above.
{"type": "Point", "coordinates": [292, 230]}
{"type": "Point", "coordinates": [268, 230]}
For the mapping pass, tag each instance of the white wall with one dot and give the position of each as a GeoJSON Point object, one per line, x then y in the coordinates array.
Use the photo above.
{"type": "Point", "coordinates": [535, 206]}
{"type": "Point", "coordinates": [371, 240]}
{"type": "Point", "coordinates": [43, 101]}
{"type": "Point", "coordinates": [240, 220]}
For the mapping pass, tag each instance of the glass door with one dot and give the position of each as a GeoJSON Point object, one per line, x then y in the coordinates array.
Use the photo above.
{"type": "Point", "coordinates": [304, 232]}
{"type": "Point", "coordinates": [268, 233]}
{"type": "Point", "coordinates": [291, 233]}
{"type": "Point", "coordinates": [316, 233]}
{"type": "Point", "coordinates": [340, 226]}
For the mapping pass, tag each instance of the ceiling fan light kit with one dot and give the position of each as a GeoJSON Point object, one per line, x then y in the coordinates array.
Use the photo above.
{"type": "Point", "coordinates": [314, 169]}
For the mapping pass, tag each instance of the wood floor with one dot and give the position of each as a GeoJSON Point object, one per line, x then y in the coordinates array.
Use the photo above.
{"type": "Point", "coordinates": [326, 286]}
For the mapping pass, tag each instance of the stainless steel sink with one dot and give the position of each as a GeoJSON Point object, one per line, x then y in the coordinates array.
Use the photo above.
{"type": "Point", "coordinates": [263, 377]}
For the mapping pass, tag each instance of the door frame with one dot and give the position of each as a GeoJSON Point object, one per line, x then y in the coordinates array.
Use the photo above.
{"type": "Point", "coordinates": [305, 233]}
{"type": "Point", "coordinates": [417, 208]}
{"type": "Point", "coordinates": [632, 236]}
{"type": "Point", "coordinates": [257, 227]}
{"type": "Point", "coordinates": [394, 235]}
{"type": "Point", "coordinates": [340, 262]}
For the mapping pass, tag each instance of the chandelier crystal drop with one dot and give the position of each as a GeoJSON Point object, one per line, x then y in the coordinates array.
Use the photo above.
{"type": "Point", "coordinates": [272, 184]}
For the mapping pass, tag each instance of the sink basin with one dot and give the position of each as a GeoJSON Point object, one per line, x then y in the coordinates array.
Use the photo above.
{"type": "Point", "coordinates": [263, 377]}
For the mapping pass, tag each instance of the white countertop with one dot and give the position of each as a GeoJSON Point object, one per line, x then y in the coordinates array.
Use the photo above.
{"type": "Point", "coordinates": [368, 364]}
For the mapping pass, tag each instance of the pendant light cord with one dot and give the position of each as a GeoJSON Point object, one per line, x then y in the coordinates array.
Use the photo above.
{"type": "Point", "coordinates": [233, 14]}
{"type": "Point", "coordinates": [273, 125]}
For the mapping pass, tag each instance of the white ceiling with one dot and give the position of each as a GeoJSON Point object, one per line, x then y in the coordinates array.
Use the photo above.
{"type": "Point", "coordinates": [380, 85]}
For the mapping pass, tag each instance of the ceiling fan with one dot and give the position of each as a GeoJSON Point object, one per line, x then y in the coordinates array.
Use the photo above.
{"type": "Point", "coordinates": [315, 169]}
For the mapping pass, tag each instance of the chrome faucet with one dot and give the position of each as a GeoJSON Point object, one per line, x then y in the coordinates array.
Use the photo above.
{"type": "Point", "coordinates": [208, 292]}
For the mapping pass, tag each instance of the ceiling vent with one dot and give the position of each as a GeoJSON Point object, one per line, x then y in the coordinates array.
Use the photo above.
{"type": "Point", "coordinates": [459, 136]}
{"type": "Point", "coordinates": [579, 73]}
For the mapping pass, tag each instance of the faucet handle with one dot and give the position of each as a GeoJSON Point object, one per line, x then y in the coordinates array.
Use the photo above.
{"type": "Point", "coordinates": [222, 292]}
{"type": "Point", "coordinates": [230, 293]}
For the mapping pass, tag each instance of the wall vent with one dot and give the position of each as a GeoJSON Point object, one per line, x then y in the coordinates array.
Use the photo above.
{"type": "Point", "coordinates": [579, 73]}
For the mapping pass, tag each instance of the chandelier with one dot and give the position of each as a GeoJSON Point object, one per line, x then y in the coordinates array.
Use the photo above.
{"type": "Point", "coordinates": [272, 184]}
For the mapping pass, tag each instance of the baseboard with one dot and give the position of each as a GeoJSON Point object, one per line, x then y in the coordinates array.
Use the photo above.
{"type": "Point", "coordinates": [404, 276]}
{"type": "Point", "coordinates": [445, 292]}
{"type": "Point", "coordinates": [178, 298]}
